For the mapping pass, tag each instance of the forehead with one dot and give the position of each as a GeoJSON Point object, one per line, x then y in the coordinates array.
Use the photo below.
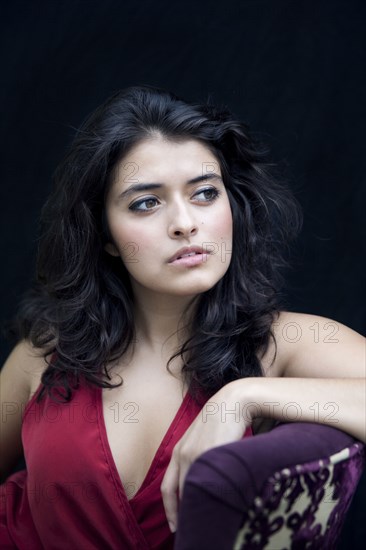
{"type": "Point", "coordinates": [164, 158]}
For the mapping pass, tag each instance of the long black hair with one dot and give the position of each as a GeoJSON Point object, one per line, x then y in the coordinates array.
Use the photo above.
{"type": "Point", "coordinates": [80, 308]}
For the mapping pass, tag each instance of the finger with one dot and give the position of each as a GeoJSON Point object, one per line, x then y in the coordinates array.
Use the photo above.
{"type": "Point", "coordinates": [182, 477]}
{"type": "Point", "coordinates": [169, 489]}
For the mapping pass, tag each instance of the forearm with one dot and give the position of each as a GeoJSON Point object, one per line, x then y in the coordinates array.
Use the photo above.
{"type": "Point", "coordinates": [340, 403]}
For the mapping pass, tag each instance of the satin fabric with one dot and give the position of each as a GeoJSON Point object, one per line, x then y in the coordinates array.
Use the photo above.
{"type": "Point", "coordinates": [71, 495]}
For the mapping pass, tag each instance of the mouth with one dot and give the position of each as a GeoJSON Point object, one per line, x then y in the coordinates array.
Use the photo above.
{"type": "Point", "coordinates": [188, 252]}
{"type": "Point", "coordinates": [188, 255]}
{"type": "Point", "coordinates": [188, 260]}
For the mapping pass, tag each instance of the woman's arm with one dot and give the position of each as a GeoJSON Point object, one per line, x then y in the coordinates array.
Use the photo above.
{"type": "Point", "coordinates": [15, 386]}
{"type": "Point", "coordinates": [337, 402]}
{"type": "Point", "coordinates": [318, 376]}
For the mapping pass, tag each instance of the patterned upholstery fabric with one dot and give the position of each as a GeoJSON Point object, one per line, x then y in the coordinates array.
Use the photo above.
{"type": "Point", "coordinates": [304, 505]}
{"type": "Point", "coordinates": [287, 489]}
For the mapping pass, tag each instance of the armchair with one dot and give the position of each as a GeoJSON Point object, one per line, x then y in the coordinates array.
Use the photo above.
{"type": "Point", "coordinates": [289, 488]}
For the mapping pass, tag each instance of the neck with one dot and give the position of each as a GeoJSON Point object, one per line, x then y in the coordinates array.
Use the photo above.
{"type": "Point", "coordinates": [162, 323]}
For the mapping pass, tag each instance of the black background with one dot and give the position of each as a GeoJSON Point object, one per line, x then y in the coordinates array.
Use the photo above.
{"type": "Point", "coordinates": [293, 70]}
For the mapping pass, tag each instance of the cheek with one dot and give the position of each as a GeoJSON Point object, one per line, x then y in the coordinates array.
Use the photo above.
{"type": "Point", "coordinates": [224, 224]}
{"type": "Point", "coordinates": [135, 240]}
{"type": "Point", "coordinates": [223, 235]}
{"type": "Point", "coordinates": [227, 222]}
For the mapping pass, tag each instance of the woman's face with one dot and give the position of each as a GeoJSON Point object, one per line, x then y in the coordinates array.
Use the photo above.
{"type": "Point", "coordinates": [186, 205]}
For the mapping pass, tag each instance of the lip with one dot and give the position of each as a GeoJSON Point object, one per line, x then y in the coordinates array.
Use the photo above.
{"type": "Point", "coordinates": [188, 250]}
{"type": "Point", "coordinates": [189, 261]}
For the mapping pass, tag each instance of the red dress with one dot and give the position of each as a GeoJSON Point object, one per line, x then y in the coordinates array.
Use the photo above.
{"type": "Point", "coordinates": [71, 495]}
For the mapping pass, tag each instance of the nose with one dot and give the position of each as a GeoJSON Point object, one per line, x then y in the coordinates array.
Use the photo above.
{"type": "Point", "coordinates": [182, 222]}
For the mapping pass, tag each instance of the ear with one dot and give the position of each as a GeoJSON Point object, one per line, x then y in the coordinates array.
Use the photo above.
{"type": "Point", "coordinates": [111, 249]}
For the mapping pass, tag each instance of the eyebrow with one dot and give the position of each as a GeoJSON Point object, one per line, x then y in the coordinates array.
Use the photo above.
{"type": "Point", "coordinates": [147, 186]}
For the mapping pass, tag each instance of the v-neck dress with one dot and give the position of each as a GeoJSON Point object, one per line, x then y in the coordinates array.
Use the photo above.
{"type": "Point", "coordinates": [71, 495]}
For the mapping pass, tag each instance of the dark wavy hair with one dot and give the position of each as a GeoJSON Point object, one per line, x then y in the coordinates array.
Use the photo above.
{"type": "Point", "coordinates": [80, 308]}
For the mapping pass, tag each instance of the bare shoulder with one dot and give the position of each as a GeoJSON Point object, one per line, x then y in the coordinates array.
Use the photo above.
{"type": "Point", "coordinates": [24, 365]}
{"type": "Point", "coordinates": [311, 345]}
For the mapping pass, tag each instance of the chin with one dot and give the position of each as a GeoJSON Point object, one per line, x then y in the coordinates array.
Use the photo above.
{"type": "Point", "coordinates": [194, 289]}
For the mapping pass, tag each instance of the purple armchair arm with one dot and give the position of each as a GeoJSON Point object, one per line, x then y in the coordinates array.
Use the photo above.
{"type": "Point", "coordinates": [289, 488]}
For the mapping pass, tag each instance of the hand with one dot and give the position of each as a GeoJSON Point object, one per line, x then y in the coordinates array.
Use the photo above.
{"type": "Point", "coordinates": [215, 425]}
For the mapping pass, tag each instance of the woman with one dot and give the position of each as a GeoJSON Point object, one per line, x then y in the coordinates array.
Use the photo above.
{"type": "Point", "coordinates": [159, 286]}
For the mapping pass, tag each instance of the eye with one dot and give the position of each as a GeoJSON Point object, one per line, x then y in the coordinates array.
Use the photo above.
{"type": "Point", "coordinates": [135, 207]}
{"type": "Point", "coordinates": [215, 193]}
{"type": "Point", "coordinates": [150, 202]}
